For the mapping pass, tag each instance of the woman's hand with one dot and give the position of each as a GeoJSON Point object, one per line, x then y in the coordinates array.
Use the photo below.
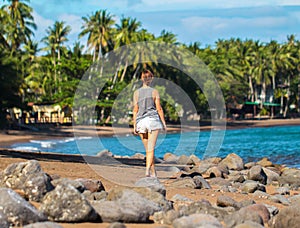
{"type": "Point", "coordinates": [134, 130]}
{"type": "Point", "coordinates": [164, 126]}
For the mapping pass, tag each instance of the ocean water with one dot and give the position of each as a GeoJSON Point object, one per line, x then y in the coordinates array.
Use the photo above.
{"type": "Point", "coordinates": [280, 144]}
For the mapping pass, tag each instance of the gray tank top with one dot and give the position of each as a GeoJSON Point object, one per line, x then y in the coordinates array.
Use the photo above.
{"type": "Point", "coordinates": [146, 103]}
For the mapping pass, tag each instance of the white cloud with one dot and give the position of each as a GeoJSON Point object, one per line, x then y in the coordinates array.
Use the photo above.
{"type": "Point", "coordinates": [42, 24]}
{"type": "Point", "coordinates": [235, 23]}
{"type": "Point", "coordinates": [72, 20]}
{"type": "Point", "coordinates": [289, 2]}
{"type": "Point", "coordinates": [165, 5]}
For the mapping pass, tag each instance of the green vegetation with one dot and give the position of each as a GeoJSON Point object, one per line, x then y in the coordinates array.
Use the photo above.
{"type": "Point", "coordinates": [246, 70]}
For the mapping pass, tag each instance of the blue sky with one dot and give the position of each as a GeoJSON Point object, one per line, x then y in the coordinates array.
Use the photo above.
{"type": "Point", "coordinates": [204, 21]}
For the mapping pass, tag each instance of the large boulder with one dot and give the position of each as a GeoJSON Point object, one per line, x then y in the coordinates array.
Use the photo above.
{"type": "Point", "coordinates": [203, 207]}
{"type": "Point", "coordinates": [66, 204]}
{"type": "Point", "coordinates": [287, 217]}
{"type": "Point", "coordinates": [243, 215]}
{"type": "Point", "coordinates": [290, 176]}
{"type": "Point", "coordinates": [257, 173]}
{"type": "Point", "coordinates": [127, 206]}
{"type": "Point", "coordinates": [43, 225]}
{"type": "Point", "coordinates": [197, 221]}
{"type": "Point", "coordinates": [27, 177]}
{"type": "Point", "coordinates": [16, 210]}
{"type": "Point", "coordinates": [153, 183]}
{"type": "Point", "coordinates": [233, 162]}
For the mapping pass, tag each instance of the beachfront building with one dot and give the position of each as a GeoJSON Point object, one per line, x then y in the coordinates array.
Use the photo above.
{"type": "Point", "coordinates": [41, 114]}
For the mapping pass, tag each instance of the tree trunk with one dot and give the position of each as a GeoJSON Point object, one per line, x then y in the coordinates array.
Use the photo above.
{"type": "Point", "coordinates": [251, 89]}
{"type": "Point", "coordinates": [124, 71]}
{"type": "Point", "coordinates": [288, 98]}
{"type": "Point", "coordinates": [136, 71]}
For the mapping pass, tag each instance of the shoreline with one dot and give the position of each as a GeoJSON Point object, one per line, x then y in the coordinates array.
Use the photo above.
{"type": "Point", "coordinates": [7, 138]}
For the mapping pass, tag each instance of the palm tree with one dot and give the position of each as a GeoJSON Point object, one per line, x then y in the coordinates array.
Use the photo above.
{"type": "Point", "coordinates": [56, 36]}
{"type": "Point", "coordinates": [22, 23]}
{"type": "Point", "coordinates": [98, 27]}
{"type": "Point", "coordinates": [167, 37]}
{"type": "Point", "coordinates": [125, 33]}
{"type": "Point", "coordinates": [5, 22]}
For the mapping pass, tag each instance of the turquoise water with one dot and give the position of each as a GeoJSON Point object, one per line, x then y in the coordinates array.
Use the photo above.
{"type": "Point", "coordinates": [280, 144]}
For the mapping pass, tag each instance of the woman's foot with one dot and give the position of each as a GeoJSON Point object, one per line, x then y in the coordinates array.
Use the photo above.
{"type": "Point", "coordinates": [147, 172]}
{"type": "Point", "coordinates": [153, 173]}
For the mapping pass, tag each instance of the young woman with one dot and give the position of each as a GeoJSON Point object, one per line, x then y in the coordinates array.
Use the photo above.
{"type": "Point", "coordinates": [148, 118]}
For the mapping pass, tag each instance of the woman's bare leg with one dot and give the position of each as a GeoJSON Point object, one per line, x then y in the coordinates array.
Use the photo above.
{"type": "Point", "coordinates": [152, 138]}
{"type": "Point", "coordinates": [144, 137]}
{"type": "Point", "coordinates": [149, 140]}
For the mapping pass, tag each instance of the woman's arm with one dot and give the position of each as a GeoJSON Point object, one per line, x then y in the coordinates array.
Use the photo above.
{"type": "Point", "coordinates": [159, 109]}
{"type": "Point", "coordinates": [135, 110]}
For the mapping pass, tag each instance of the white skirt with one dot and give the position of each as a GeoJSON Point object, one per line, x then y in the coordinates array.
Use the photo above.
{"type": "Point", "coordinates": [148, 124]}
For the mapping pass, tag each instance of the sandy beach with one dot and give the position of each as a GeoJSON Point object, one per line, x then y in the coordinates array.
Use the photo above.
{"type": "Point", "coordinates": [73, 166]}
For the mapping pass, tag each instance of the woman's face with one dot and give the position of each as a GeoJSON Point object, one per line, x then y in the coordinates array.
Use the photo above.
{"type": "Point", "coordinates": [147, 78]}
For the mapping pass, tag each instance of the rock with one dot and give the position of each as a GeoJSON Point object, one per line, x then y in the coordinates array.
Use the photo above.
{"type": "Point", "coordinates": [290, 176]}
{"type": "Point", "coordinates": [233, 161]}
{"type": "Point", "coordinates": [243, 215]}
{"type": "Point", "coordinates": [272, 209]}
{"type": "Point", "coordinates": [282, 191]}
{"type": "Point", "coordinates": [181, 198]}
{"type": "Point", "coordinates": [153, 183]}
{"type": "Point", "coordinates": [95, 195]}
{"type": "Point", "coordinates": [265, 162]}
{"type": "Point", "coordinates": [43, 225]}
{"type": "Point", "coordinates": [138, 156]}
{"type": "Point", "coordinates": [17, 210]}
{"type": "Point", "coordinates": [214, 172]}
{"type": "Point", "coordinates": [193, 160]}
{"type": "Point", "coordinates": [190, 173]}
{"type": "Point", "coordinates": [148, 193]}
{"type": "Point", "coordinates": [261, 209]}
{"type": "Point", "coordinates": [91, 185]}
{"type": "Point", "coordinates": [66, 204]}
{"type": "Point", "coordinates": [224, 169]}
{"type": "Point", "coordinates": [104, 152]}
{"type": "Point", "coordinates": [127, 206]}
{"type": "Point", "coordinates": [203, 167]}
{"type": "Point", "coordinates": [261, 194]}
{"type": "Point", "coordinates": [287, 217]}
{"type": "Point", "coordinates": [246, 203]}
{"type": "Point", "coordinates": [295, 200]}
{"type": "Point", "coordinates": [203, 207]}
{"type": "Point", "coordinates": [280, 199]}
{"type": "Point", "coordinates": [271, 175]}
{"type": "Point", "coordinates": [29, 178]}
{"type": "Point", "coordinates": [213, 160]}
{"type": "Point", "coordinates": [170, 158]}
{"type": "Point", "coordinates": [251, 186]}
{"type": "Point", "coordinates": [236, 177]}
{"type": "Point", "coordinates": [226, 201]}
{"type": "Point", "coordinates": [201, 182]}
{"type": "Point", "coordinates": [197, 221]}
{"type": "Point", "coordinates": [4, 223]}
{"type": "Point", "coordinates": [65, 181]}
{"type": "Point", "coordinates": [217, 181]}
{"type": "Point", "coordinates": [183, 160]}
{"type": "Point", "coordinates": [186, 182]}
{"type": "Point", "coordinates": [256, 173]}
{"type": "Point", "coordinates": [249, 224]}
{"type": "Point", "coordinates": [165, 217]}
{"type": "Point", "coordinates": [117, 225]}
{"type": "Point", "coordinates": [249, 165]}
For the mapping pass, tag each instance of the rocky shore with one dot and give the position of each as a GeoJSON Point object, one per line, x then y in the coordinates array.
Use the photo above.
{"type": "Point", "coordinates": [214, 192]}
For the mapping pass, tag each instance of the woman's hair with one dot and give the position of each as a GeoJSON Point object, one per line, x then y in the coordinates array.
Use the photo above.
{"type": "Point", "coordinates": [146, 73]}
